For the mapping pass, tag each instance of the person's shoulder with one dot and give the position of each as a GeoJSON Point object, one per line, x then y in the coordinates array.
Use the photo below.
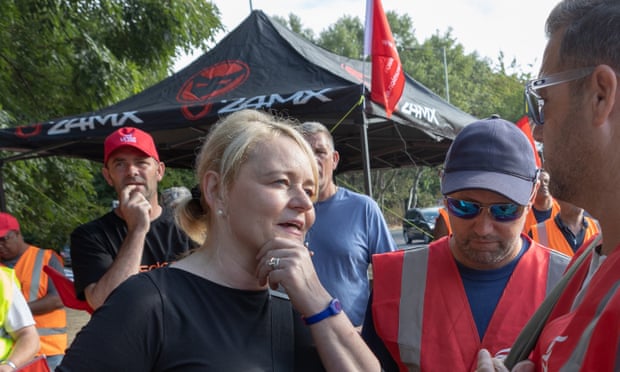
{"type": "Point", "coordinates": [346, 194]}
{"type": "Point", "coordinates": [98, 223]}
{"type": "Point", "coordinates": [561, 257]}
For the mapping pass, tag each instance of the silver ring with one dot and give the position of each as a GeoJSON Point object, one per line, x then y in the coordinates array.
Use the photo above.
{"type": "Point", "coordinates": [274, 262]}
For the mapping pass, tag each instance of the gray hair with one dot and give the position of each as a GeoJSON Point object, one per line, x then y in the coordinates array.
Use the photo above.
{"type": "Point", "coordinates": [592, 32]}
{"type": "Point", "coordinates": [314, 127]}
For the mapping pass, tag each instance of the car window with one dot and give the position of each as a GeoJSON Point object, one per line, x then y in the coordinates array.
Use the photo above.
{"type": "Point", "coordinates": [430, 215]}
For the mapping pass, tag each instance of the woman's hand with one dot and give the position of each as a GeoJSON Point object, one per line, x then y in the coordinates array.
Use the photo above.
{"type": "Point", "coordinates": [287, 262]}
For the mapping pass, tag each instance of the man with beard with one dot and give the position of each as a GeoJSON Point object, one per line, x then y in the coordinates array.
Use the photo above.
{"type": "Point", "coordinates": [138, 235]}
{"type": "Point", "coordinates": [477, 287]}
{"type": "Point", "coordinates": [576, 101]}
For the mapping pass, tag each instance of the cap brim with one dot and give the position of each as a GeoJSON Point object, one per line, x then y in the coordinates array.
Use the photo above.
{"type": "Point", "coordinates": [514, 188]}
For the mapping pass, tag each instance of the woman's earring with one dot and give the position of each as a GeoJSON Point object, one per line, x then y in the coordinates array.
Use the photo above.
{"type": "Point", "coordinates": [220, 212]}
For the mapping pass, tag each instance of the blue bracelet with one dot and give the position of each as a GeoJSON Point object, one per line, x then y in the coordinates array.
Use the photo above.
{"type": "Point", "coordinates": [334, 308]}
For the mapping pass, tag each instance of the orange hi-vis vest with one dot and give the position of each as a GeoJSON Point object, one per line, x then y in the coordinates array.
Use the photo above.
{"type": "Point", "coordinates": [52, 326]}
{"type": "Point", "coordinates": [443, 213]}
{"type": "Point", "coordinates": [582, 332]}
{"type": "Point", "coordinates": [422, 314]}
{"type": "Point", "coordinates": [530, 218]}
{"type": "Point", "coordinates": [549, 234]}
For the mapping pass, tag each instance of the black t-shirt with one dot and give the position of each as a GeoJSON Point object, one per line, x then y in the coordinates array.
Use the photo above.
{"type": "Point", "coordinates": [95, 245]}
{"type": "Point", "coordinates": [172, 320]}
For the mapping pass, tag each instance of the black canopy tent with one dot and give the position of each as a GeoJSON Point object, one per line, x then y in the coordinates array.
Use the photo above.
{"type": "Point", "coordinates": [262, 65]}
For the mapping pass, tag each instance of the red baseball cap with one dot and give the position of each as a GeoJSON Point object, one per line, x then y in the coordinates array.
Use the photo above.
{"type": "Point", "coordinates": [7, 223]}
{"type": "Point", "coordinates": [132, 137]}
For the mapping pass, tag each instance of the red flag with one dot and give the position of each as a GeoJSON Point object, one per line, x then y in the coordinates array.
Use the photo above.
{"type": "Point", "coordinates": [66, 290]}
{"type": "Point", "coordinates": [524, 125]}
{"type": "Point", "coordinates": [388, 78]}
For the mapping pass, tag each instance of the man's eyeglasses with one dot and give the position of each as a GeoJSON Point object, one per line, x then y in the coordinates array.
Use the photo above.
{"type": "Point", "coordinates": [535, 102]}
{"type": "Point", "coordinates": [467, 210]}
{"type": "Point", "coordinates": [8, 236]}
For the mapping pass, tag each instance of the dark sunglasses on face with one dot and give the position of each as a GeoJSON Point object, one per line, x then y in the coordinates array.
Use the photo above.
{"type": "Point", "coordinates": [504, 212]}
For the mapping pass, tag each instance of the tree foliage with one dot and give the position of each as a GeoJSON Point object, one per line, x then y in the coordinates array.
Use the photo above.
{"type": "Point", "coordinates": [61, 57]}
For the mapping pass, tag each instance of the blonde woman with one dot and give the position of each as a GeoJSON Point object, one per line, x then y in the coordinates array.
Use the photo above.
{"type": "Point", "coordinates": [213, 310]}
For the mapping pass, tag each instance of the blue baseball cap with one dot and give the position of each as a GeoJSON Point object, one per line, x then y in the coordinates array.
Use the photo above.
{"type": "Point", "coordinates": [491, 154]}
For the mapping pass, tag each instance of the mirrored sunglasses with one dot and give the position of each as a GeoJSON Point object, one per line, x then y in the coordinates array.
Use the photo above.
{"type": "Point", "coordinates": [504, 212]}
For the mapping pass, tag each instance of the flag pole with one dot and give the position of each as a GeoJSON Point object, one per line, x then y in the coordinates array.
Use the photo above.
{"type": "Point", "coordinates": [364, 128]}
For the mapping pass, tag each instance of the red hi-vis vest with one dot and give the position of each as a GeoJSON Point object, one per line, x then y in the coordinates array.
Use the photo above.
{"type": "Point", "coordinates": [421, 312]}
{"type": "Point", "coordinates": [548, 234]}
{"type": "Point", "coordinates": [52, 326]}
{"type": "Point", "coordinates": [584, 336]}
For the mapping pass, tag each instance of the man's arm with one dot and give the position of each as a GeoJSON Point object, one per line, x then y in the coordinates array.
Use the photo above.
{"type": "Point", "coordinates": [126, 264]}
{"type": "Point", "coordinates": [20, 326]}
{"type": "Point", "coordinates": [135, 209]}
{"type": "Point", "coordinates": [25, 348]}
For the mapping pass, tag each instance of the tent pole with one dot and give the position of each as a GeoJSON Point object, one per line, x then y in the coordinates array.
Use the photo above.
{"type": "Point", "coordinates": [365, 151]}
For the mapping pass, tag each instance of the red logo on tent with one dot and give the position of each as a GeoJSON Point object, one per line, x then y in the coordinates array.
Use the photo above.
{"type": "Point", "coordinates": [210, 83]}
{"type": "Point", "coordinates": [36, 129]}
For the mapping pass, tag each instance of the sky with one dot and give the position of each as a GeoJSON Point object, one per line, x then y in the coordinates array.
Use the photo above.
{"type": "Point", "coordinates": [515, 27]}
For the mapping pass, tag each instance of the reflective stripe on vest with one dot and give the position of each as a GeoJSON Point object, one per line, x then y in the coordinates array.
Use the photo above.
{"type": "Point", "coordinates": [548, 234]}
{"type": "Point", "coordinates": [424, 315]}
{"type": "Point", "coordinates": [577, 356]}
{"type": "Point", "coordinates": [52, 326]}
{"type": "Point", "coordinates": [411, 311]}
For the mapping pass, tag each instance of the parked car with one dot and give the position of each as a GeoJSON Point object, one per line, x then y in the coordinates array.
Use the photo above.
{"type": "Point", "coordinates": [419, 224]}
{"type": "Point", "coordinates": [65, 253]}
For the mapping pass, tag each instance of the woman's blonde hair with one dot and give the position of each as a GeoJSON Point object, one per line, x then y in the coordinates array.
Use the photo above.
{"type": "Point", "coordinates": [225, 150]}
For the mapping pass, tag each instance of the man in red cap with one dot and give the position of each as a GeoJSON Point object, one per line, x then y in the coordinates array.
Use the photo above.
{"type": "Point", "coordinates": [38, 290]}
{"type": "Point", "coordinates": [138, 235]}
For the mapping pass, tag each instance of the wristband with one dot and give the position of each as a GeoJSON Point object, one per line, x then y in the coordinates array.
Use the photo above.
{"type": "Point", "coordinates": [334, 308]}
{"type": "Point", "coordinates": [10, 364]}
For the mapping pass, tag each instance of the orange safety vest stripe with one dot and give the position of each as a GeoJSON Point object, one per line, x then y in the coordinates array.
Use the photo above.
{"type": "Point", "coordinates": [530, 219]}
{"type": "Point", "coordinates": [420, 326]}
{"type": "Point", "coordinates": [548, 234]}
{"type": "Point", "coordinates": [52, 326]}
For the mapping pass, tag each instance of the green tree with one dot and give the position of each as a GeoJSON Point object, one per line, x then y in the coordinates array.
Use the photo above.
{"type": "Point", "coordinates": [61, 57]}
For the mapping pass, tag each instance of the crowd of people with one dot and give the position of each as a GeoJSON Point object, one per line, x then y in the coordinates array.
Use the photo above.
{"type": "Point", "coordinates": [263, 264]}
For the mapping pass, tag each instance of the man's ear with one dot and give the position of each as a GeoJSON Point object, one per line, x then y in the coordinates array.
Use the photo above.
{"type": "Point", "coordinates": [161, 169]}
{"type": "Point", "coordinates": [534, 192]}
{"type": "Point", "coordinates": [106, 175]}
{"type": "Point", "coordinates": [605, 88]}
{"type": "Point", "coordinates": [336, 159]}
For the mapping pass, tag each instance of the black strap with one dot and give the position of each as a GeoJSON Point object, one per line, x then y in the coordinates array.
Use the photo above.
{"type": "Point", "coordinates": [282, 332]}
{"type": "Point", "coordinates": [525, 342]}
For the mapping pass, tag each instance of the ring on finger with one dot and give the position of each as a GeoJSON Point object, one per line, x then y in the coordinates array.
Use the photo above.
{"type": "Point", "coordinates": [274, 263]}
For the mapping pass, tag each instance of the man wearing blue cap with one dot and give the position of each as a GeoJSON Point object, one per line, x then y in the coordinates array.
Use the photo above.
{"type": "Point", "coordinates": [477, 287]}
